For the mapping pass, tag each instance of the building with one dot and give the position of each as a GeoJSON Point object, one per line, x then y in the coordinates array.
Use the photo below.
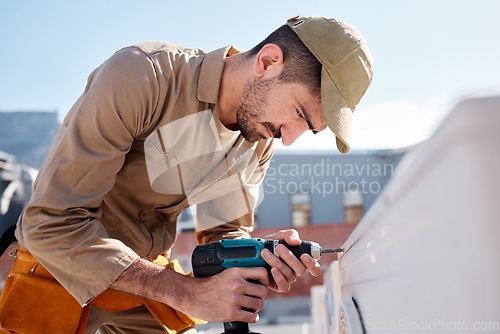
{"type": "Point", "coordinates": [314, 187]}
{"type": "Point", "coordinates": [28, 135]}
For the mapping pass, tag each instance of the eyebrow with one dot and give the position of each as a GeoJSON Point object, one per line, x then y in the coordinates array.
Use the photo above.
{"type": "Point", "coordinates": [307, 118]}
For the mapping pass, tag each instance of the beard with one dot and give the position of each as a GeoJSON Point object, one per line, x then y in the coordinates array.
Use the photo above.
{"type": "Point", "coordinates": [252, 103]}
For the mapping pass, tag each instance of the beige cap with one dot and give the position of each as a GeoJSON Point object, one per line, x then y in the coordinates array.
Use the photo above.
{"type": "Point", "coordinates": [347, 69]}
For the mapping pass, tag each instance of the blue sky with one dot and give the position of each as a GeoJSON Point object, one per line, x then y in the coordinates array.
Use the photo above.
{"type": "Point", "coordinates": [429, 54]}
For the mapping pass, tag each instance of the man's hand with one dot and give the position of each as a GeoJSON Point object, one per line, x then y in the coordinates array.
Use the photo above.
{"type": "Point", "coordinates": [287, 267]}
{"type": "Point", "coordinates": [229, 296]}
{"type": "Point", "coordinates": [218, 298]}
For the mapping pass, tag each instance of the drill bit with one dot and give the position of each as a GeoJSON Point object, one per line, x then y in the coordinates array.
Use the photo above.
{"type": "Point", "coordinates": [332, 250]}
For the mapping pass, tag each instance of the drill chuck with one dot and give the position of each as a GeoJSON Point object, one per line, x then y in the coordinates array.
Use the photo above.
{"type": "Point", "coordinates": [315, 250]}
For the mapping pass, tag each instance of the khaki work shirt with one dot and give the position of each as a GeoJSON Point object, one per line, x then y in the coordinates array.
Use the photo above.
{"type": "Point", "coordinates": [138, 147]}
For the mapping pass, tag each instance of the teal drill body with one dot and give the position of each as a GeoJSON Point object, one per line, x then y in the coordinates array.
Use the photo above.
{"type": "Point", "coordinates": [215, 257]}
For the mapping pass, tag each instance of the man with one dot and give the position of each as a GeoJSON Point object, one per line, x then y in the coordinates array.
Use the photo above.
{"type": "Point", "coordinates": [159, 128]}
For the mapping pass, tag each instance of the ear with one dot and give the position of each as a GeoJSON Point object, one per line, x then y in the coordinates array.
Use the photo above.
{"type": "Point", "coordinates": [268, 62]}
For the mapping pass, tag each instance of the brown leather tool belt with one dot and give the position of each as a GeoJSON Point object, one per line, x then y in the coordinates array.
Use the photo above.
{"type": "Point", "coordinates": [32, 301]}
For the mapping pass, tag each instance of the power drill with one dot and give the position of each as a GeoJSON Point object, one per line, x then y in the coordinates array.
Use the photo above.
{"type": "Point", "coordinates": [215, 257]}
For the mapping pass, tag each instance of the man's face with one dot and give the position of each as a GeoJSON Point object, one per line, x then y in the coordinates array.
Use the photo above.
{"type": "Point", "coordinates": [270, 108]}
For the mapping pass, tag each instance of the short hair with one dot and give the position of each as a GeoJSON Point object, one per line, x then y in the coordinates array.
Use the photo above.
{"type": "Point", "coordinates": [300, 65]}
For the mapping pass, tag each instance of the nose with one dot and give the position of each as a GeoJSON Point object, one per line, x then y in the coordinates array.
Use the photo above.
{"type": "Point", "coordinates": [290, 133]}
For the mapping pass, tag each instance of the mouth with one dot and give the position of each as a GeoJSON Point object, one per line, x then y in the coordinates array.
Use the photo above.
{"type": "Point", "coordinates": [271, 130]}
{"type": "Point", "coordinates": [268, 132]}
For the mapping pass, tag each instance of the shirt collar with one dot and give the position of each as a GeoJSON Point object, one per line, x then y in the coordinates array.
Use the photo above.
{"type": "Point", "coordinates": [211, 74]}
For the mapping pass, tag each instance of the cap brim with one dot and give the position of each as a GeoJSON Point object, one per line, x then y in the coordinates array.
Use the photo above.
{"type": "Point", "coordinates": [337, 113]}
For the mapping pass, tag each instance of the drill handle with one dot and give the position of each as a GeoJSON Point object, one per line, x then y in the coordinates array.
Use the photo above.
{"type": "Point", "coordinates": [304, 247]}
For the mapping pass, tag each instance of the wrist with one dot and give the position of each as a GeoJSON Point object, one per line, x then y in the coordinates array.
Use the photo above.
{"type": "Point", "coordinates": [159, 283]}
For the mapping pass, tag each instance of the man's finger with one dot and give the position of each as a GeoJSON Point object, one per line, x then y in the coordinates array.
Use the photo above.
{"type": "Point", "coordinates": [311, 264]}
{"type": "Point", "coordinates": [291, 260]}
{"type": "Point", "coordinates": [246, 316]}
{"type": "Point", "coordinates": [282, 283]}
{"type": "Point", "coordinates": [275, 262]}
{"type": "Point", "coordinates": [291, 237]}
{"type": "Point", "coordinates": [256, 274]}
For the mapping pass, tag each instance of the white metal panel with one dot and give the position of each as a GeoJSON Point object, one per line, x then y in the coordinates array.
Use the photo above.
{"type": "Point", "coordinates": [425, 257]}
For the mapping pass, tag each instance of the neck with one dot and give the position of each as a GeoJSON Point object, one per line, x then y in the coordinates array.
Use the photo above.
{"type": "Point", "coordinates": [233, 78]}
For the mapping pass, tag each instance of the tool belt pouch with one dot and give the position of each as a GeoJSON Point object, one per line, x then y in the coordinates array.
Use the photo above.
{"type": "Point", "coordinates": [33, 302]}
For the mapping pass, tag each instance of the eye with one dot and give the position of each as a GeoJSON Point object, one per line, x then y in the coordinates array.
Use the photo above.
{"type": "Point", "coordinates": [299, 113]}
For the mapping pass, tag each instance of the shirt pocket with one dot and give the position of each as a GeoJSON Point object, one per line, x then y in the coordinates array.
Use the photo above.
{"type": "Point", "coordinates": [180, 152]}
